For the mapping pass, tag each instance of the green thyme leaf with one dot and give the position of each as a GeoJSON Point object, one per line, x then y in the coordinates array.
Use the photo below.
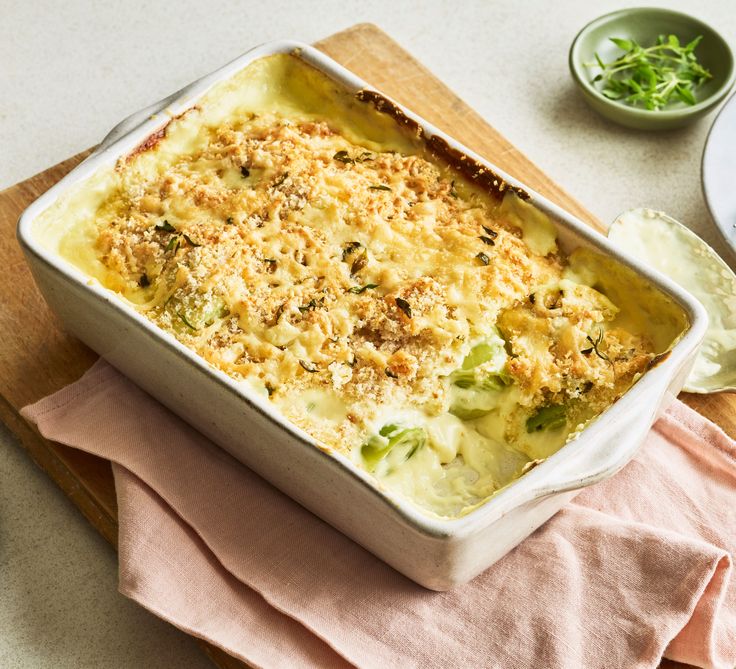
{"type": "Point", "coordinates": [690, 47]}
{"type": "Point", "coordinates": [184, 320]}
{"type": "Point", "coordinates": [189, 240]}
{"type": "Point", "coordinates": [490, 231]}
{"type": "Point", "coordinates": [310, 306]}
{"type": "Point", "coordinates": [391, 374]}
{"type": "Point", "coordinates": [402, 304]}
{"type": "Point", "coordinates": [343, 157]}
{"type": "Point", "coordinates": [625, 44]}
{"type": "Point", "coordinates": [487, 240]}
{"type": "Point", "coordinates": [594, 344]}
{"type": "Point", "coordinates": [364, 157]}
{"type": "Point", "coordinates": [308, 366]}
{"type": "Point", "coordinates": [379, 187]}
{"type": "Point", "coordinates": [685, 94]}
{"type": "Point", "coordinates": [173, 243]}
{"type": "Point", "coordinates": [612, 93]}
{"type": "Point", "coordinates": [166, 226]}
{"type": "Point", "coordinates": [357, 290]}
{"type": "Point", "coordinates": [280, 180]}
{"type": "Point", "coordinates": [483, 258]}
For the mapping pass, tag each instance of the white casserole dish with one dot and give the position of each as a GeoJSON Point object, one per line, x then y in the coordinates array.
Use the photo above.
{"type": "Point", "coordinates": [437, 553]}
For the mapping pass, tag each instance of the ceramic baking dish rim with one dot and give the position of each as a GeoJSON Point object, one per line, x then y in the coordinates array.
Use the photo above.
{"type": "Point", "coordinates": [131, 132]}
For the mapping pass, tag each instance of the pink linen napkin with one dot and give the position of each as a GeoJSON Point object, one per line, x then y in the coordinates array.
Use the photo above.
{"type": "Point", "coordinates": [637, 567]}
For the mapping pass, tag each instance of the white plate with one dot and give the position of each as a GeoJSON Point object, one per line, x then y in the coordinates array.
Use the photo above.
{"type": "Point", "coordinates": [719, 171]}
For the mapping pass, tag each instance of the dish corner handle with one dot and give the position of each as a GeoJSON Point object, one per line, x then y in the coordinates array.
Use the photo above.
{"type": "Point", "coordinates": [617, 445]}
{"type": "Point", "coordinates": [137, 118]}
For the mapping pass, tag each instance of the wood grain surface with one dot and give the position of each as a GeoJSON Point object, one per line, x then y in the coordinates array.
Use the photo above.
{"type": "Point", "coordinates": [37, 357]}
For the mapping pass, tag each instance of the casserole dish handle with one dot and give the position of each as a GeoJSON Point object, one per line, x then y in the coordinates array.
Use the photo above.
{"type": "Point", "coordinates": [621, 440]}
{"type": "Point", "coordinates": [138, 118]}
{"type": "Point", "coordinates": [576, 475]}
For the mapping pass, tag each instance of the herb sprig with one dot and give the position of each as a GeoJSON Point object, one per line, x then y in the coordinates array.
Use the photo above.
{"type": "Point", "coordinates": [651, 76]}
{"type": "Point", "coordinates": [357, 290]}
{"type": "Point", "coordinates": [308, 366]}
{"type": "Point", "coordinates": [344, 157]}
{"type": "Point", "coordinates": [594, 344]}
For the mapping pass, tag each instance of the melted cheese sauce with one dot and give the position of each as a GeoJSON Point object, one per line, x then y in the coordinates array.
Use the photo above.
{"type": "Point", "coordinates": [304, 243]}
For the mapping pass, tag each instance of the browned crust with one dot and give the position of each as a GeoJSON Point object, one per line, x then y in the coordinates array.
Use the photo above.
{"type": "Point", "coordinates": [658, 359]}
{"type": "Point", "coordinates": [472, 170]}
{"type": "Point", "coordinates": [154, 138]}
{"type": "Point", "coordinates": [149, 142]}
{"type": "Point", "coordinates": [488, 180]}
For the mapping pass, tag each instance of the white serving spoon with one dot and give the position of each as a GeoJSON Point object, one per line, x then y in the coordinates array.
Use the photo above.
{"type": "Point", "coordinates": [666, 245]}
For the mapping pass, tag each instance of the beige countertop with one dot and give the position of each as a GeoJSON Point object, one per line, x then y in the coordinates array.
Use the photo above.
{"type": "Point", "coordinates": [70, 71]}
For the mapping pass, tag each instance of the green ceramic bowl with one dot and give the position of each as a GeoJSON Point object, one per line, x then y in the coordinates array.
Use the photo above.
{"type": "Point", "coordinates": [644, 25]}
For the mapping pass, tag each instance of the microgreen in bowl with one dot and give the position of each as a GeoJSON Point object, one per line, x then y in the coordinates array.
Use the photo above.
{"type": "Point", "coordinates": [651, 76]}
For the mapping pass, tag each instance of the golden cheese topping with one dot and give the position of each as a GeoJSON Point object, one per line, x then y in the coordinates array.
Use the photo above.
{"type": "Point", "coordinates": [296, 239]}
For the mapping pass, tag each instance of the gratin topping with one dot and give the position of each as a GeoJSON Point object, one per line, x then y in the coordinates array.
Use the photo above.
{"type": "Point", "coordinates": [282, 252]}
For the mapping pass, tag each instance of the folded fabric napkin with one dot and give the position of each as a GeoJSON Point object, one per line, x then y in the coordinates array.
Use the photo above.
{"type": "Point", "coordinates": [636, 567]}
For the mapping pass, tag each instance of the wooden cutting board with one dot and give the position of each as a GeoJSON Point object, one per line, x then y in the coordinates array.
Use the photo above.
{"type": "Point", "coordinates": [37, 357]}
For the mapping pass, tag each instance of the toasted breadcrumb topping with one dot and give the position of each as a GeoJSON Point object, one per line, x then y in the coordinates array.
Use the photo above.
{"type": "Point", "coordinates": [284, 254]}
